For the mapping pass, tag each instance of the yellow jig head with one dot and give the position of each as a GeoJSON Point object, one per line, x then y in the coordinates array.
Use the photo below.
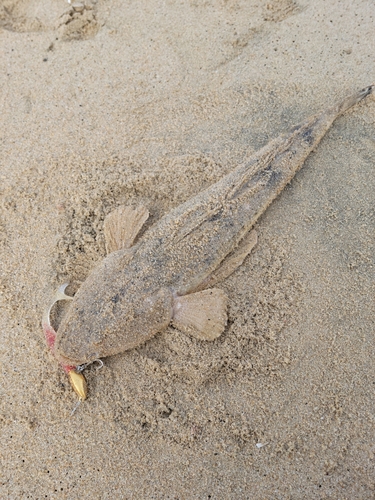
{"type": "Point", "coordinates": [79, 384]}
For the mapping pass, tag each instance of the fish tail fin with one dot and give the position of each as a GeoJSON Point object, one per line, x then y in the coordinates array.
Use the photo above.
{"type": "Point", "coordinates": [355, 98]}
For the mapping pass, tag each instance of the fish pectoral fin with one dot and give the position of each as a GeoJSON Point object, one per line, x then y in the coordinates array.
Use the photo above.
{"type": "Point", "coordinates": [122, 226]}
{"type": "Point", "coordinates": [201, 314]}
{"type": "Point", "coordinates": [232, 262]}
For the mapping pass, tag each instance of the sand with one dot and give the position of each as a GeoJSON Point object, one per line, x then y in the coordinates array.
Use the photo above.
{"type": "Point", "coordinates": [149, 102]}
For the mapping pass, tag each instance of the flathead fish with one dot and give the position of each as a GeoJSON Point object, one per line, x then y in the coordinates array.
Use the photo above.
{"type": "Point", "coordinates": [169, 275]}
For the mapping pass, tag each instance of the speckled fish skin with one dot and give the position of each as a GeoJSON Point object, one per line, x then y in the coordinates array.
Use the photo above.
{"type": "Point", "coordinates": [128, 297]}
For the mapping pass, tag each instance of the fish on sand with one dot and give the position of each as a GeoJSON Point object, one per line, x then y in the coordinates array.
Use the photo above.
{"type": "Point", "coordinates": [170, 275]}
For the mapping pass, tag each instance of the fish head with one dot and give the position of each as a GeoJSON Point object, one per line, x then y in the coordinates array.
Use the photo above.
{"type": "Point", "coordinates": [98, 327]}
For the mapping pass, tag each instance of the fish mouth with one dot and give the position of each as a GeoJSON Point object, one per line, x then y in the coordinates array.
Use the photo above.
{"type": "Point", "coordinates": [65, 361]}
{"type": "Point", "coordinates": [68, 355]}
{"type": "Point", "coordinates": [74, 361]}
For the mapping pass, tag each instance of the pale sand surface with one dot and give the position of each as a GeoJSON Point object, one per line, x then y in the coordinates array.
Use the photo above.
{"type": "Point", "coordinates": [150, 102]}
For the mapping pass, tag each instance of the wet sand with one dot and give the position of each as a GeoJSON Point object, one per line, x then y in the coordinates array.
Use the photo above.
{"type": "Point", "coordinates": [148, 102]}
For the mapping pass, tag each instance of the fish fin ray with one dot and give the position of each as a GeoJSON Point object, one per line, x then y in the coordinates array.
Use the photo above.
{"type": "Point", "coordinates": [232, 262]}
{"type": "Point", "coordinates": [122, 226]}
{"type": "Point", "coordinates": [202, 314]}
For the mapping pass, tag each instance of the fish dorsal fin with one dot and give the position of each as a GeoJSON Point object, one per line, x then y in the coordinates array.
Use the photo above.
{"type": "Point", "coordinates": [202, 314]}
{"type": "Point", "coordinates": [122, 226]}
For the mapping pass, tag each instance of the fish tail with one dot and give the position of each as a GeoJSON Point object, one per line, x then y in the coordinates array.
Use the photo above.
{"type": "Point", "coordinates": [257, 182]}
{"type": "Point", "coordinates": [355, 98]}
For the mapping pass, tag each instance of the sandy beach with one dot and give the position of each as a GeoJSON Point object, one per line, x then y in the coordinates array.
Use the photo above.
{"type": "Point", "coordinates": [114, 102]}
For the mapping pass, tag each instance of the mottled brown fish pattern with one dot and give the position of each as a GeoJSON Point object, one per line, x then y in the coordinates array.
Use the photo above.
{"type": "Point", "coordinates": [169, 275]}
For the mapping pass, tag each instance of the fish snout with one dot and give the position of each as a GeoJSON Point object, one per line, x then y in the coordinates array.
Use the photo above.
{"type": "Point", "coordinates": [67, 360]}
{"type": "Point", "coordinates": [72, 353]}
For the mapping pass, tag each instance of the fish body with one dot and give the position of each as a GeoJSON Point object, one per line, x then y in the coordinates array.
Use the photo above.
{"type": "Point", "coordinates": [137, 292]}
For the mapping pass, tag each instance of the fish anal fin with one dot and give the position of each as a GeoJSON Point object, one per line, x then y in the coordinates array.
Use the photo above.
{"type": "Point", "coordinates": [122, 226]}
{"type": "Point", "coordinates": [201, 314]}
{"type": "Point", "coordinates": [232, 262]}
